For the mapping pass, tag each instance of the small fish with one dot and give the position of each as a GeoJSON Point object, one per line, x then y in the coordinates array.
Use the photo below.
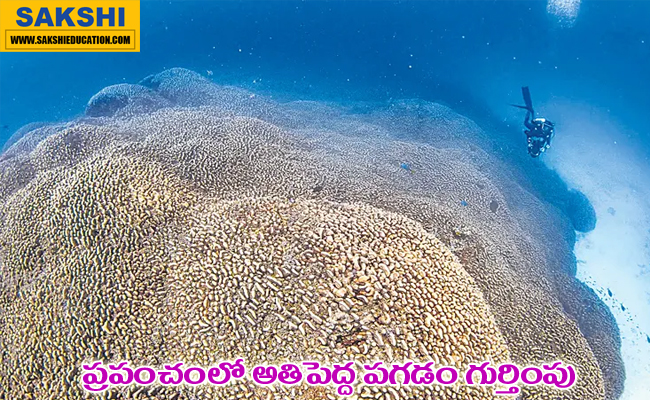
{"type": "Point", "coordinates": [406, 167]}
{"type": "Point", "coordinates": [5, 126]}
{"type": "Point", "coordinates": [622, 307]}
{"type": "Point", "coordinates": [210, 73]}
{"type": "Point", "coordinates": [647, 338]}
{"type": "Point", "coordinates": [463, 203]}
{"type": "Point", "coordinates": [609, 292]}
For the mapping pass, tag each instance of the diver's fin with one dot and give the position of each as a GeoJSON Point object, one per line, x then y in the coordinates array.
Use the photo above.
{"type": "Point", "coordinates": [527, 99]}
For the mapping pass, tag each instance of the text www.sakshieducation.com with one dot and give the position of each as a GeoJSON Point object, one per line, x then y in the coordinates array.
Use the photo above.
{"type": "Point", "coordinates": [69, 39]}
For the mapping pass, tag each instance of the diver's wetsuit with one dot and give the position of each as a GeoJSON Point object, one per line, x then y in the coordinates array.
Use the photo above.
{"type": "Point", "coordinates": [539, 133]}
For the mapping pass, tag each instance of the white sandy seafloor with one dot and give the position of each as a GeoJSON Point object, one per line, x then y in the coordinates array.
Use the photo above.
{"type": "Point", "coordinates": [594, 155]}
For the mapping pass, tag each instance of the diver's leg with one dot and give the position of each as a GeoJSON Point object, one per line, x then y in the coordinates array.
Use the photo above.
{"type": "Point", "coordinates": [528, 100]}
{"type": "Point", "coordinates": [527, 121]}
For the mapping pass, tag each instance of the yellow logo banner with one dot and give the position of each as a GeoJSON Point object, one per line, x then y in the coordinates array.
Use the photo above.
{"type": "Point", "coordinates": [70, 25]}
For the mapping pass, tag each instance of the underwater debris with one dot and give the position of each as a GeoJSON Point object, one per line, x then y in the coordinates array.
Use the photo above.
{"type": "Point", "coordinates": [609, 292]}
{"type": "Point", "coordinates": [461, 233]}
{"type": "Point", "coordinates": [623, 307]}
{"type": "Point", "coordinates": [611, 210]}
{"type": "Point", "coordinates": [406, 167]}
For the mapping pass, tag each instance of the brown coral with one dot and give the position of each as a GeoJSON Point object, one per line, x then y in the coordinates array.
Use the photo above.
{"type": "Point", "coordinates": [129, 265]}
{"type": "Point", "coordinates": [138, 208]}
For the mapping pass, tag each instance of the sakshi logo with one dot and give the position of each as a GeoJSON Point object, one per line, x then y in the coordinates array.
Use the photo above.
{"type": "Point", "coordinates": [70, 25]}
{"type": "Point", "coordinates": [85, 14]}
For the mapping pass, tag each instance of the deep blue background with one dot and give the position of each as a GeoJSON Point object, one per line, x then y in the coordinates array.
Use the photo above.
{"type": "Point", "coordinates": [471, 54]}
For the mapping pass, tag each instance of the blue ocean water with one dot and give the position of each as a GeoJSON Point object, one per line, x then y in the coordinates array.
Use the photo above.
{"type": "Point", "coordinates": [590, 76]}
{"type": "Point", "coordinates": [476, 52]}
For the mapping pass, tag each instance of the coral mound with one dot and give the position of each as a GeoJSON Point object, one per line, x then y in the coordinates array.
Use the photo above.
{"type": "Point", "coordinates": [124, 99]}
{"type": "Point", "coordinates": [237, 226]}
{"type": "Point", "coordinates": [132, 264]}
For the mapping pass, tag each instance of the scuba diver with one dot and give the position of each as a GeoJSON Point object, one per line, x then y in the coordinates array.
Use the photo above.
{"type": "Point", "coordinates": [539, 131]}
